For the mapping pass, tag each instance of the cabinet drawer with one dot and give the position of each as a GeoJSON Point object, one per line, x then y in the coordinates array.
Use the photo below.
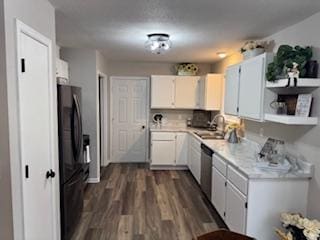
{"type": "Point", "coordinates": [163, 136]}
{"type": "Point", "coordinates": [238, 180]}
{"type": "Point", "coordinates": [219, 164]}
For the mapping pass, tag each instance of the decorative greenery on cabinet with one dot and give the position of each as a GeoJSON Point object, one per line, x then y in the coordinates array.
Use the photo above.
{"type": "Point", "coordinates": [285, 59]}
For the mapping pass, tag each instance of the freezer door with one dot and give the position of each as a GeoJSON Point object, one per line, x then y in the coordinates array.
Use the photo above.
{"type": "Point", "coordinates": [71, 205]}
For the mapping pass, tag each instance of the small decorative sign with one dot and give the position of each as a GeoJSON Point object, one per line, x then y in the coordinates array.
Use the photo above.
{"type": "Point", "coordinates": [304, 105]}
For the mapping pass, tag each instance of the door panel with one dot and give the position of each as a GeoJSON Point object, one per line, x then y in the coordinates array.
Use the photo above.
{"type": "Point", "coordinates": [232, 90]}
{"type": "Point", "coordinates": [251, 80]}
{"type": "Point", "coordinates": [36, 139]}
{"type": "Point", "coordinates": [218, 195]}
{"type": "Point", "coordinates": [182, 149]}
{"type": "Point", "coordinates": [162, 91]}
{"type": "Point", "coordinates": [129, 120]}
{"type": "Point", "coordinates": [187, 91]}
{"type": "Point", "coordinates": [163, 152]}
{"type": "Point", "coordinates": [72, 207]}
{"type": "Point", "coordinates": [236, 212]}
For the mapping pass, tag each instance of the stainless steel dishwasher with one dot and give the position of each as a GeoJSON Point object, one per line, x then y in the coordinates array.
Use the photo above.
{"type": "Point", "coordinates": [206, 170]}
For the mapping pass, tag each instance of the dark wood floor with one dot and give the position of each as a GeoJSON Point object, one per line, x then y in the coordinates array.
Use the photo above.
{"type": "Point", "coordinates": [133, 202]}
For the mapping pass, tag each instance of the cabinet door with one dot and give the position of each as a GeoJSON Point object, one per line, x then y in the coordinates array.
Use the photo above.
{"type": "Point", "coordinates": [196, 164]}
{"type": "Point", "coordinates": [218, 194]}
{"type": "Point", "coordinates": [187, 92]}
{"type": "Point", "coordinates": [162, 91]}
{"type": "Point", "coordinates": [251, 88]}
{"type": "Point", "coordinates": [231, 95]}
{"type": "Point", "coordinates": [236, 212]}
{"type": "Point", "coordinates": [211, 92]}
{"type": "Point", "coordinates": [163, 152]}
{"type": "Point", "coordinates": [62, 69]}
{"type": "Point", "coordinates": [182, 149]}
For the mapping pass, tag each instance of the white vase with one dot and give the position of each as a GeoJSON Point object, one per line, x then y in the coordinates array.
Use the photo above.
{"type": "Point", "coordinates": [252, 53]}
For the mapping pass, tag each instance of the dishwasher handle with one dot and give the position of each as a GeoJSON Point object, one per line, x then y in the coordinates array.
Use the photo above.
{"type": "Point", "coordinates": [206, 150]}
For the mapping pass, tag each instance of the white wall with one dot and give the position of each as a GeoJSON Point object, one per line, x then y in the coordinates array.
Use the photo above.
{"type": "Point", "coordinates": [83, 66]}
{"type": "Point", "coordinates": [148, 68]}
{"type": "Point", "coordinates": [303, 140]}
{"type": "Point", "coordinates": [38, 14]}
{"type": "Point", "coordinates": [6, 220]}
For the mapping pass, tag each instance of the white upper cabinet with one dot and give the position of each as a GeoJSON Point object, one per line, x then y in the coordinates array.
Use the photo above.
{"type": "Point", "coordinates": [211, 92]}
{"type": "Point", "coordinates": [245, 90]}
{"type": "Point", "coordinates": [62, 69]}
{"type": "Point", "coordinates": [231, 96]}
{"type": "Point", "coordinates": [251, 94]}
{"type": "Point", "coordinates": [162, 91]}
{"type": "Point", "coordinates": [187, 92]}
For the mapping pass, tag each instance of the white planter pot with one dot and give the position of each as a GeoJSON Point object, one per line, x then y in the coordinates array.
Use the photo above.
{"type": "Point", "coordinates": [252, 53]}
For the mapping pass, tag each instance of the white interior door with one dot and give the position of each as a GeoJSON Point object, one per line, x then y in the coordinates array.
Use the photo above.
{"type": "Point", "coordinates": [129, 119]}
{"type": "Point", "coordinates": [36, 137]}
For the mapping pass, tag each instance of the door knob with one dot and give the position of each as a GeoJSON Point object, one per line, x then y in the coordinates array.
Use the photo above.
{"type": "Point", "coordinates": [51, 174]}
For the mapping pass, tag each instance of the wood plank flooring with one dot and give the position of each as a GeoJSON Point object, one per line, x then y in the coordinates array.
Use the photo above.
{"type": "Point", "coordinates": [134, 203]}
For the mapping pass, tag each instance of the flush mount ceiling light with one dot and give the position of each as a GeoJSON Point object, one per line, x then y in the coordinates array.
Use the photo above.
{"type": "Point", "coordinates": [158, 43]}
{"type": "Point", "coordinates": [221, 54]}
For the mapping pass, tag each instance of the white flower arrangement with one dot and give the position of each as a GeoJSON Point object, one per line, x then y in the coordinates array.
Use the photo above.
{"type": "Point", "coordinates": [299, 227]}
{"type": "Point", "coordinates": [251, 45]}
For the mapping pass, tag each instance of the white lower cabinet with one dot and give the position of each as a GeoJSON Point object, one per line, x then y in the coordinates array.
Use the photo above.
{"type": "Point", "coordinates": [194, 160]}
{"type": "Point", "coordinates": [253, 206]}
{"type": "Point", "coordinates": [182, 149]}
{"type": "Point", "coordinates": [218, 194]}
{"type": "Point", "coordinates": [230, 203]}
{"type": "Point", "coordinates": [236, 209]}
{"type": "Point", "coordinates": [163, 152]}
{"type": "Point", "coordinates": [169, 149]}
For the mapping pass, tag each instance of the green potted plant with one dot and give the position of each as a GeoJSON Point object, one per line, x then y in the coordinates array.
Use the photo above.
{"type": "Point", "coordinates": [285, 58]}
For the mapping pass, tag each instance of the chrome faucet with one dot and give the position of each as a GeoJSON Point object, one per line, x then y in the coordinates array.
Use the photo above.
{"type": "Point", "coordinates": [220, 122]}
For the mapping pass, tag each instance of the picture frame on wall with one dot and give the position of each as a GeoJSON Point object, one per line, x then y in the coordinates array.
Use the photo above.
{"type": "Point", "coordinates": [304, 102]}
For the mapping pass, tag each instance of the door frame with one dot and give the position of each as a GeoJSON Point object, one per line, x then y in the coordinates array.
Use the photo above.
{"type": "Point", "coordinates": [22, 28]}
{"type": "Point", "coordinates": [119, 78]}
{"type": "Point", "coordinates": [102, 130]}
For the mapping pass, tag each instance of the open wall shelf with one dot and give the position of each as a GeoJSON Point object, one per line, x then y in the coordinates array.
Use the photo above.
{"type": "Point", "coordinates": [302, 83]}
{"type": "Point", "coordinates": [291, 120]}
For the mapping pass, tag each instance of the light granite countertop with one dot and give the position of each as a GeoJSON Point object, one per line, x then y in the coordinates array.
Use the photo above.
{"type": "Point", "coordinates": [243, 156]}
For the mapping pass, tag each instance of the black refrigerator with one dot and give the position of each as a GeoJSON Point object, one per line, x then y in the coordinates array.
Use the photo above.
{"type": "Point", "coordinates": [70, 158]}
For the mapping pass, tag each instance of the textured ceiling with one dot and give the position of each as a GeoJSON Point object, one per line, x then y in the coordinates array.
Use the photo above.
{"type": "Point", "coordinates": [198, 28]}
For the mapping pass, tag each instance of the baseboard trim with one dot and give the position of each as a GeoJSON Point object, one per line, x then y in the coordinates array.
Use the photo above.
{"type": "Point", "coordinates": [93, 180]}
{"type": "Point", "coordinates": [168, 167]}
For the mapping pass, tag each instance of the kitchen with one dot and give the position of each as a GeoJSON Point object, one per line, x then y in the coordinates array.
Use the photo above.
{"type": "Point", "coordinates": [182, 146]}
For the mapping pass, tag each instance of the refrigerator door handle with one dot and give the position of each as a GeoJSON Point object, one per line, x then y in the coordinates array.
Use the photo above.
{"type": "Point", "coordinates": [79, 140]}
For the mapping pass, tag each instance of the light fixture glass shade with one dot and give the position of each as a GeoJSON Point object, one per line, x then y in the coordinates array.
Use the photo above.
{"type": "Point", "coordinates": [158, 43]}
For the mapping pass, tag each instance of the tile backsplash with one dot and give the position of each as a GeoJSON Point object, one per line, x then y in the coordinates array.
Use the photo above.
{"type": "Point", "coordinates": [172, 117]}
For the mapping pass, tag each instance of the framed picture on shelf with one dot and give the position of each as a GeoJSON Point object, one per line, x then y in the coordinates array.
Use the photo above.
{"type": "Point", "coordinates": [304, 102]}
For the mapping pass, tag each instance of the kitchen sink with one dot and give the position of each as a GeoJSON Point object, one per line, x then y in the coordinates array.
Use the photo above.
{"type": "Point", "coordinates": [210, 135]}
